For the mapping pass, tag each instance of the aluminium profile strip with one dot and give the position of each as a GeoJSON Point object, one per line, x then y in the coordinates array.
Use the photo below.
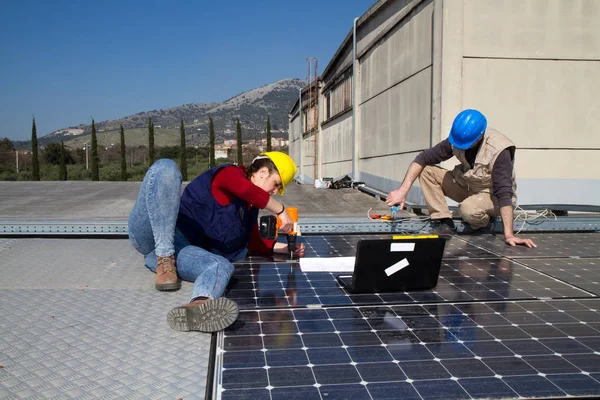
{"type": "Point", "coordinates": [307, 226]}
{"type": "Point", "coordinates": [67, 228]}
{"type": "Point", "coordinates": [561, 224]}
{"type": "Point", "coordinates": [361, 225]}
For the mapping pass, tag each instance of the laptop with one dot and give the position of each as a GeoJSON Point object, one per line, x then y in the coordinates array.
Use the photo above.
{"type": "Point", "coordinates": [395, 265]}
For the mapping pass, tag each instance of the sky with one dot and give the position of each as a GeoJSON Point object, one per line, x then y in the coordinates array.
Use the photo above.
{"type": "Point", "coordinates": [67, 61]}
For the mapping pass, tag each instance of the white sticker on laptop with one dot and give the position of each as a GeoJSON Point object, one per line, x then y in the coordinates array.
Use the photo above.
{"type": "Point", "coordinates": [402, 247]}
{"type": "Point", "coordinates": [396, 267]}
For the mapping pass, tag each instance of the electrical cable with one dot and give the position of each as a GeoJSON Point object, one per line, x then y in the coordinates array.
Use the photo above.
{"type": "Point", "coordinates": [527, 218]}
{"type": "Point", "coordinates": [424, 218]}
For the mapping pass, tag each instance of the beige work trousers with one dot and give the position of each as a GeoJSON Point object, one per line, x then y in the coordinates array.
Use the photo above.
{"type": "Point", "coordinates": [475, 208]}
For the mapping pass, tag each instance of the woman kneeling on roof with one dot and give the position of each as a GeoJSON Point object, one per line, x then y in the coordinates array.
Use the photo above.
{"type": "Point", "coordinates": [195, 236]}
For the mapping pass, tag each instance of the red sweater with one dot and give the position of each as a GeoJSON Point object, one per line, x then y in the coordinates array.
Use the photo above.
{"type": "Point", "coordinates": [231, 182]}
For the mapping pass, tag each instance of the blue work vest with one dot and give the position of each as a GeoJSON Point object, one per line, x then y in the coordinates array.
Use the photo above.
{"type": "Point", "coordinates": [207, 224]}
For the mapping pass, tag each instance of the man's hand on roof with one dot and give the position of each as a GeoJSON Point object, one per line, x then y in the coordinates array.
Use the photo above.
{"type": "Point", "coordinates": [513, 241]}
{"type": "Point", "coordinates": [397, 197]}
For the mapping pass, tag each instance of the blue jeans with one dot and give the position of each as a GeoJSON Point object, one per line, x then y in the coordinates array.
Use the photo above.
{"type": "Point", "coordinates": [152, 232]}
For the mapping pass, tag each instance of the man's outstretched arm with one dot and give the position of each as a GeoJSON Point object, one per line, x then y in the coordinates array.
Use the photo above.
{"type": "Point", "coordinates": [438, 153]}
{"type": "Point", "coordinates": [398, 196]}
{"type": "Point", "coordinates": [507, 215]}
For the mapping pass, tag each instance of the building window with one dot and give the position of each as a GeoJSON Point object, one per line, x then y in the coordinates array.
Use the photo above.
{"type": "Point", "coordinates": [339, 98]}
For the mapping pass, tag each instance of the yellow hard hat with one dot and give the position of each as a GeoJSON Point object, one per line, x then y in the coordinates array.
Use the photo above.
{"type": "Point", "coordinates": [285, 166]}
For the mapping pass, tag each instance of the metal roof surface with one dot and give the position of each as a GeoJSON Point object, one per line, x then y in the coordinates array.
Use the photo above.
{"type": "Point", "coordinates": [80, 318]}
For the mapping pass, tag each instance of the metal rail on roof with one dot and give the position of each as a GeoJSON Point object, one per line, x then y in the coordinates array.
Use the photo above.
{"type": "Point", "coordinates": [362, 225]}
{"type": "Point", "coordinates": [61, 228]}
{"type": "Point", "coordinates": [316, 225]}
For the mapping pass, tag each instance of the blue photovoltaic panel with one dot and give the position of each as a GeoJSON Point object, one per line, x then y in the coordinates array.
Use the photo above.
{"type": "Point", "coordinates": [580, 272]}
{"type": "Point", "coordinates": [285, 285]}
{"type": "Point", "coordinates": [501, 323]}
{"type": "Point", "coordinates": [463, 350]}
{"type": "Point", "coordinates": [549, 245]}
{"type": "Point", "coordinates": [345, 246]}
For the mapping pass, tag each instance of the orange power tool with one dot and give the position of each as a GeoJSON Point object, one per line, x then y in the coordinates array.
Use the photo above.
{"type": "Point", "coordinates": [269, 228]}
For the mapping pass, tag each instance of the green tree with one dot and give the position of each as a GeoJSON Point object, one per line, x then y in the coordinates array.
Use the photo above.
{"type": "Point", "coordinates": [123, 151]}
{"type": "Point", "coordinates": [94, 158]}
{"type": "Point", "coordinates": [62, 169]}
{"type": "Point", "coordinates": [6, 146]}
{"type": "Point", "coordinates": [211, 152]}
{"type": "Point", "coordinates": [7, 156]}
{"type": "Point", "coordinates": [269, 133]}
{"type": "Point", "coordinates": [54, 152]}
{"type": "Point", "coordinates": [183, 159]}
{"type": "Point", "coordinates": [35, 162]}
{"type": "Point", "coordinates": [238, 127]}
{"type": "Point", "coordinates": [150, 142]}
{"type": "Point", "coordinates": [172, 152]}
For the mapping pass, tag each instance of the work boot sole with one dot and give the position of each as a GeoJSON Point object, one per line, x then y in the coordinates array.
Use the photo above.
{"type": "Point", "coordinates": [212, 316]}
{"type": "Point", "coordinates": [165, 287]}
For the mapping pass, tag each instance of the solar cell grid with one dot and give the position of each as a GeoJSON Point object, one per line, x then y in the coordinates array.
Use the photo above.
{"type": "Point", "coordinates": [345, 246]}
{"type": "Point", "coordinates": [471, 349]}
{"type": "Point", "coordinates": [492, 328]}
{"type": "Point", "coordinates": [549, 245]}
{"type": "Point", "coordinates": [581, 272]}
{"type": "Point", "coordinates": [286, 285]}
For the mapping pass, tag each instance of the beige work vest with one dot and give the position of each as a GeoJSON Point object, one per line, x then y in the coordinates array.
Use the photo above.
{"type": "Point", "coordinates": [479, 178]}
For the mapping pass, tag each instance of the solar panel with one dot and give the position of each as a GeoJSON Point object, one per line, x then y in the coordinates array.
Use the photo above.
{"type": "Point", "coordinates": [475, 349]}
{"type": "Point", "coordinates": [580, 272]}
{"type": "Point", "coordinates": [345, 246]}
{"type": "Point", "coordinates": [549, 245]}
{"type": "Point", "coordinates": [286, 285]}
{"type": "Point", "coordinates": [502, 322]}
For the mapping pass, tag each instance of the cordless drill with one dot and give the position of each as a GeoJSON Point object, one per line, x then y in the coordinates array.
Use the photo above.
{"type": "Point", "coordinates": [269, 228]}
{"type": "Point", "coordinates": [292, 235]}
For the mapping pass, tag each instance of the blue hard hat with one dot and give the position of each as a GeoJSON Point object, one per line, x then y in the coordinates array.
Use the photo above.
{"type": "Point", "coordinates": [467, 128]}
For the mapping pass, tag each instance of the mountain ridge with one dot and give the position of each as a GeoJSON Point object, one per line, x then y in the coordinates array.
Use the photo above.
{"type": "Point", "coordinates": [252, 108]}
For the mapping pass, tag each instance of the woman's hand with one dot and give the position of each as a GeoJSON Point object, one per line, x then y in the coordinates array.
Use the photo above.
{"type": "Point", "coordinates": [299, 250]}
{"type": "Point", "coordinates": [282, 248]}
{"type": "Point", "coordinates": [286, 222]}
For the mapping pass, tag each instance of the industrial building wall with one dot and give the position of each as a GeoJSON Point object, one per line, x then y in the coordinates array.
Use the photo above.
{"type": "Point", "coordinates": [395, 98]}
{"type": "Point", "coordinates": [533, 68]}
{"type": "Point", "coordinates": [295, 138]}
{"type": "Point", "coordinates": [336, 133]}
{"type": "Point", "coordinates": [308, 163]}
{"type": "Point", "coordinates": [336, 151]}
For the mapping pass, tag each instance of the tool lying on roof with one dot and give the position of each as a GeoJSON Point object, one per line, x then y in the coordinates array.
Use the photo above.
{"type": "Point", "coordinates": [383, 217]}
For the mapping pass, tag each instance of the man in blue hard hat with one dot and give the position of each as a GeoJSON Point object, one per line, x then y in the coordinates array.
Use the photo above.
{"type": "Point", "coordinates": [483, 183]}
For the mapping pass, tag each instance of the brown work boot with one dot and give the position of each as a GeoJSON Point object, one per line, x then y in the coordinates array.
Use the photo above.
{"type": "Point", "coordinates": [166, 274]}
{"type": "Point", "coordinates": [206, 315]}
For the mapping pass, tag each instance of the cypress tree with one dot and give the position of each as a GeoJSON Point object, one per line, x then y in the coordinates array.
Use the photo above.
{"type": "Point", "coordinates": [268, 133]}
{"type": "Point", "coordinates": [123, 160]}
{"type": "Point", "coordinates": [238, 127]}
{"type": "Point", "coordinates": [62, 169]}
{"type": "Point", "coordinates": [34, 152]}
{"type": "Point", "coordinates": [150, 142]}
{"type": "Point", "coordinates": [183, 162]}
{"type": "Point", "coordinates": [211, 150]}
{"type": "Point", "coordinates": [94, 160]}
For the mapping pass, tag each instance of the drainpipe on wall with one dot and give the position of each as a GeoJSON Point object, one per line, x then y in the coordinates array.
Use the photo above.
{"type": "Point", "coordinates": [300, 131]}
{"type": "Point", "coordinates": [354, 105]}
